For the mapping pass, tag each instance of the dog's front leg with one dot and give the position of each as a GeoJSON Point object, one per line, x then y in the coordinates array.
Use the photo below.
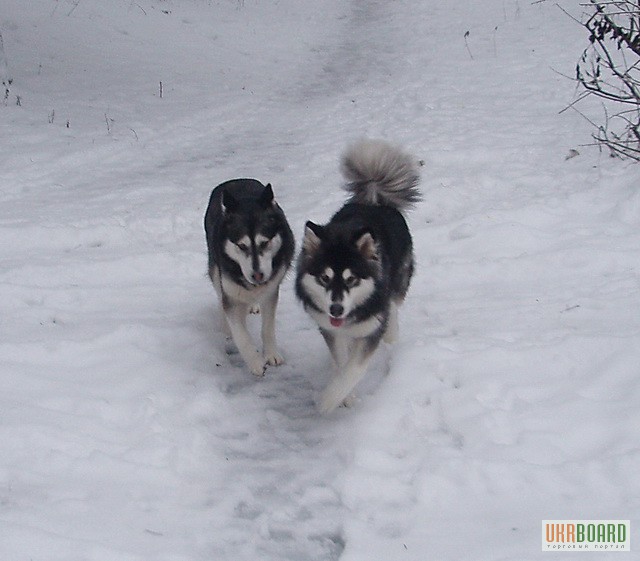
{"type": "Point", "coordinates": [339, 349]}
{"type": "Point", "coordinates": [347, 376]}
{"type": "Point", "coordinates": [269, 347]}
{"type": "Point", "coordinates": [236, 315]}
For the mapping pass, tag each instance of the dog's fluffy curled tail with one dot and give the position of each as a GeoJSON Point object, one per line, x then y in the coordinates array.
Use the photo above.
{"type": "Point", "coordinates": [379, 173]}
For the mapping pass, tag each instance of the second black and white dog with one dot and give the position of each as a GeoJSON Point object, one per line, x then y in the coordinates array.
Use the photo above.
{"type": "Point", "coordinates": [354, 271]}
{"type": "Point", "coordinates": [250, 248]}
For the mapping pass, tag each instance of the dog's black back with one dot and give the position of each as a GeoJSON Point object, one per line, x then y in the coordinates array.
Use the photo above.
{"type": "Point", "coordinates": [244, 207]}
{"type": "Point", "coordinates": [389, 230]}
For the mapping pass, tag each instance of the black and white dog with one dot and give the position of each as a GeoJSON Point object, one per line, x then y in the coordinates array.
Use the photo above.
{"type": "Point", "coordinates": [354, 271]}
{"type": "Point", "coordinates": [250, 248]}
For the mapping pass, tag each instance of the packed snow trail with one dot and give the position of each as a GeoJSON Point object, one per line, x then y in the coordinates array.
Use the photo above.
{"type": "Point", "coordinates": [131, 391]}
{"type": "Point", "coordinates": [129, 434]}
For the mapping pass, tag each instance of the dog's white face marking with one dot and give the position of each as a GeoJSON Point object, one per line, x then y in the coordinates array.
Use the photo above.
{"type": "Point", "coordinates": [326, 277]}
{"type": "Point", "coordinates": [337, 302]}
{"type": "Point", "coordinates": [318, 293]}
{"type": "Point", "coordinates": [358, 291]}
{"type": "Point", "coordinates": [254, 257]}
{"type": "Point", "coordinates": [240, 252]}
{"type": "Point", "coordinates": [266, 250]}
{"type": "Point", "coordinates": [350, 280]}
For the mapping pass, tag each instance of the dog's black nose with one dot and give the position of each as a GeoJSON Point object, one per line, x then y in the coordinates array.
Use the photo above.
{"type": "Point", "coordinates": [336, 310]}
{"type": "Point", "coordinates": [257, 276]}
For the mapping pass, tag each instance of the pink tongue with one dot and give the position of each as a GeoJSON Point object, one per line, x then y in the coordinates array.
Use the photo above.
{"type": "Point", "coordinates": [336, 322]}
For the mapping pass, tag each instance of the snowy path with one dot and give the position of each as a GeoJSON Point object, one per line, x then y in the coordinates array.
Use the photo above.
{"type": "Point", "coordinates": [126, 431]}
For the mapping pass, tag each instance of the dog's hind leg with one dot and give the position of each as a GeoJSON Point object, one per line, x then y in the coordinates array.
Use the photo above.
{"type": "Point", "coordinates": [236, 315]}
{"type": "Point", "coordinates": [348, 376]}
{"type": "Point", "coordinates": [269, 347]}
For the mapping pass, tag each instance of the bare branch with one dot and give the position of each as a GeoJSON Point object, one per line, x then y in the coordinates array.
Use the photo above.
{"type": "Point", "coordinates": [609, 68]}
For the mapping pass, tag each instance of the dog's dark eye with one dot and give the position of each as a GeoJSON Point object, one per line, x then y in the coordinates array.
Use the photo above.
{"type": "Point", "coordinates": [352, 281]}
{"type": "Point", "coordinates": [262, 246]}
{"type": "Point", "coordinates": [323, 280]}
{"type": "Point", "coordinates": [243, 247]}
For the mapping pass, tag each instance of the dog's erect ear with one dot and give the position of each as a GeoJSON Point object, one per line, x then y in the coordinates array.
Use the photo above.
{"type": "Point", "coordinates": [367, 246]}
{"type": "Point", "coordinates": [266, 197]}
{"type": "Point", "coordinates": [229, 202]}
{"type": "Point", "coordinates": [312, 237]}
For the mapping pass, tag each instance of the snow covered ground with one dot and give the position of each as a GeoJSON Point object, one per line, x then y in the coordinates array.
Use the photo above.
{"type": "Point", "coordinates": [512, 396]}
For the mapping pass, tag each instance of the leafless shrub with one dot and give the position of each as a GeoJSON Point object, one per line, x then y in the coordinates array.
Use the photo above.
{"type": "Point", "coordinates": [609, 69]}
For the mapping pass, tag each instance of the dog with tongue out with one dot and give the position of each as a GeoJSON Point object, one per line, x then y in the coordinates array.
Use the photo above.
{"type": "Point", "coordinates": [355, 270]}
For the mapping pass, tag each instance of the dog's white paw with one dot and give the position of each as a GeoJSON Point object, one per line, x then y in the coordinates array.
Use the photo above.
{"type": "Point", "coordinates": [329, 400]}
{"type": "Point", "coordinates": [274, 358]}
{"type": "Point", "coordinates": [349, 401]}
{"type": "Point", "coordinates": [257, 365]}
{"type": "Point", "coordinates": [390, 336]}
